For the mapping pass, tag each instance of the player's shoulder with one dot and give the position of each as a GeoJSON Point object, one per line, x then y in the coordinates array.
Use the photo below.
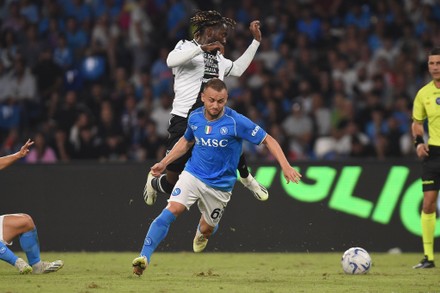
{"type": "Point", "coordinates": [231, 112]}
{"type": "Point", "coordinates": [182, 44]}
{"type": "Point", "coordinates": [196, 113]}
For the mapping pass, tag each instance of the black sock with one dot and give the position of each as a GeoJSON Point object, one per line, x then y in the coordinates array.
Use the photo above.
{"type": "Point", "coordinates": [155, 184]}
{"type": "Point", "coordinates": [242, 167]}
{"type": "Point", "coordinates": [164, 185]}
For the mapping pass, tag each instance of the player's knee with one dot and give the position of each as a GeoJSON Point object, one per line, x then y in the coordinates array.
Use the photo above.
{"type": "Point", "coordinates": [429, 209]}
{"type": "Point", "coordinates": [429, 201]}
{"type": "Point", "coordinates": [175, 208]}
{"type": "Point", "coordinates": [27, 222]}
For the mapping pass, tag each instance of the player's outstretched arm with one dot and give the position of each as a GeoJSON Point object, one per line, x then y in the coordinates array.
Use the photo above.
{"type": "Point", "coordinates": [179, 149]}
{"type": "Point", "coordinates": [10, 159]}
{"type": "Point", "coordinates": [274, 147]}
{"type": "Point", "coordinates": [242, 63]}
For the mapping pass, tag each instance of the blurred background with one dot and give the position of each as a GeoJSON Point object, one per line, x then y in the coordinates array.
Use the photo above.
{"type": "Point", "coordinates": [332, 79]}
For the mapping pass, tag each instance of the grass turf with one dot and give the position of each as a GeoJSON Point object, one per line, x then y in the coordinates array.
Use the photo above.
{"type": "Point", "coordinates": [222, 272]}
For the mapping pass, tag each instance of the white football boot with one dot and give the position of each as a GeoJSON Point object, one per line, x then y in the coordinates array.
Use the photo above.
{"type": "Point", "coordinates": [150, 194]}
{"type": "Point", "coordinates": [44, 267]}
{"type": "Point", "coordinates": [23, 267]}
{"type": "Point", "coordinates": [260, 192]}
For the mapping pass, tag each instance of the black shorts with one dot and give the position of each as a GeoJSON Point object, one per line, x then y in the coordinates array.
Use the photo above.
{"type": "Point", "coordinates": [431, 169]}
{"type": "Point", "coordinates": [176, 130]}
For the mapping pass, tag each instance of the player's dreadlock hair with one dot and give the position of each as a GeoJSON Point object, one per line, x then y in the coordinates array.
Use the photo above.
{"type": "Point", "coordinates": [203, 19]}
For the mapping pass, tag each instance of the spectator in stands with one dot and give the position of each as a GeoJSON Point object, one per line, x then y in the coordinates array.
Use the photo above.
{"type": "Point", "coordinates": [113, 149]}
{"type": "Point", "coordinates": [161, 75]}
{"type": "Point", "coordinates": [24, 92]}
{"type": "Point", "coordinates": [31, 46]}
{"type": "Point", "coordinates": [9, 48]}
{"type": "Point", "coordinates": [62, 54]}
{"type": "Point", "coordinates": [5, 84]}
{"type": "Point", "coordinates": [62, 147]}
{"type": "Point", "coordinates": [140, 29]}
{"type": "Point", "coordinates": [299, 129]}
{"type": "Point", "coordinates": [160, 114]}
{"type": "Point", "coordinates": [153, 144]}
{"type": "Point", "coordinates": [41, 152]}
{"type": "Point", "coordinates": [89, 145]}
{"type": "Point", "coordinates": [76, 37]}
{"type": "Point", "coordinates": [401, 35]}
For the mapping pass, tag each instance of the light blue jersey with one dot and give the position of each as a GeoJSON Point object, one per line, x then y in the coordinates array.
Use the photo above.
{"type": "Point", "coordinates": [218, 146]}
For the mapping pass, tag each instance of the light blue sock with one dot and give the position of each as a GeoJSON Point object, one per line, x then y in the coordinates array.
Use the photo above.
{"type": "Point", "coordinates": [7, 255]}
{"type": "Point", "coordinates": [213, 232]}
{"type": "Point", "coordinates": [157, 232]}
{"type": "Point", "coordinates": [30, 245]}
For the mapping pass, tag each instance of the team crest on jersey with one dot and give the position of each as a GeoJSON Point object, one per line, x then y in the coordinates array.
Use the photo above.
{"type": "Point", "coordinates": [437, 100]}
{"type": "Point", "coordinates": [224, 130]}
{"type": "Point", "coordinates": [176, 191]}
{"type": "Point", "coordinates": [208, 129]}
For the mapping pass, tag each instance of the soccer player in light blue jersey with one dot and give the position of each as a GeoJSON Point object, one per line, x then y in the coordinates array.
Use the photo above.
{"type": "Point", "coordinates": [217, 133]}
{"type": "Point", "coordinates": [22, 226]}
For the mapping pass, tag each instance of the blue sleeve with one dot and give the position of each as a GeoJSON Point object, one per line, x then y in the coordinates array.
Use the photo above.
{"type": "Point", "coordinates": [249, 131]}
{"type": "Point", "coordinates": [189, 134]}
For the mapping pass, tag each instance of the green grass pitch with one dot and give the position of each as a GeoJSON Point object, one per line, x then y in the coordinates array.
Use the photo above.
{"type": "Point", "coordinates": [222, 272]}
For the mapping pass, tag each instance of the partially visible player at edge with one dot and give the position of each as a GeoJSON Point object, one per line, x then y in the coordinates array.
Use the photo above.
{"type": "Point", "coordinates": [216, 133]}
{"type": "Point", "coordinates": [194, 63]}
{"type": "Point", "coordinates": [22, 225]}
{"type": "Point", "coordinates": [427, 106]}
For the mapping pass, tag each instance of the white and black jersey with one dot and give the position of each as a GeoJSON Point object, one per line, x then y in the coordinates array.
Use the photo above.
{"type": "Point", "coordinates": [192, 68]}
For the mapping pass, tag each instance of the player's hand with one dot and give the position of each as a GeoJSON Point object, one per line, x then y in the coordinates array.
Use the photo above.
{"type": "Point", "coordinates": [254, 27]}
{"type": "Point", "coordinates": [157, 169]}
{"type": "Point", "coordinates": [291, 174]}
{"type": "Point", "coordinates": [422, 150]}
{"type": "Point", "coordinates": [25, 149]}
{"type": "Point", "coordinates": [211, 47]}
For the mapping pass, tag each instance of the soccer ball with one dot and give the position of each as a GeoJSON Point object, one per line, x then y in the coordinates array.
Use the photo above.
{"type": "Point", "coordinates": [355, 261]}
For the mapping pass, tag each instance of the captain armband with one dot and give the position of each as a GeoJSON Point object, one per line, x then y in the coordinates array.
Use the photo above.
{"type": "Point", "coordinates": [418, 140]}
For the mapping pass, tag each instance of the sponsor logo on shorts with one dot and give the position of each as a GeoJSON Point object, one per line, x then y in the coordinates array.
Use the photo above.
{"type": "Point", "coordinates": [176, 191]}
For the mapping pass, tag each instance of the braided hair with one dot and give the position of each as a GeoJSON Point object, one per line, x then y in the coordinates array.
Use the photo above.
{"type": "Point", "coordinates": [203, 19]}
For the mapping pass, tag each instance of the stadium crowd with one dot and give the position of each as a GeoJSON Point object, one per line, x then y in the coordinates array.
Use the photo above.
{"type": "Point", "coordinates": [332, 79]}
